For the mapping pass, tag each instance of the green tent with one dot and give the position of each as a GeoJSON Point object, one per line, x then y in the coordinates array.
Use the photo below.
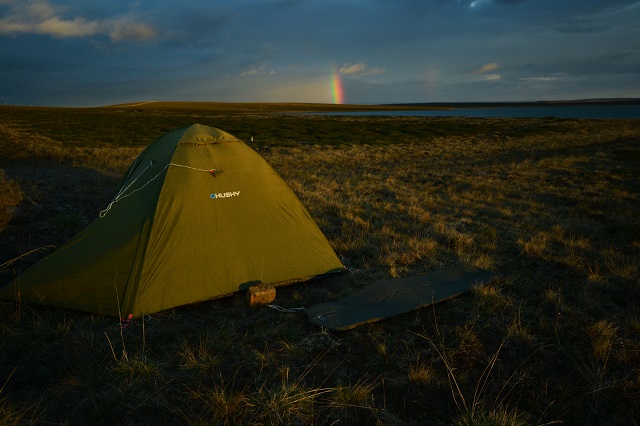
{"type": "Point", "coordinates": [198, 216]}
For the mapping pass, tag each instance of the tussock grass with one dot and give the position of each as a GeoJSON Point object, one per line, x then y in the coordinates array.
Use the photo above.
{"type": "Point", "coordinates": [549, 205]}
{"type": "Point", "coordinates": [496, 417]}
{"type": "Point", "coordinates": [13, 414]}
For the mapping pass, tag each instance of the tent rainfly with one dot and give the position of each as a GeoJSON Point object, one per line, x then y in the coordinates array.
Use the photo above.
{"type": "Point", "coordinates": [199, 215]}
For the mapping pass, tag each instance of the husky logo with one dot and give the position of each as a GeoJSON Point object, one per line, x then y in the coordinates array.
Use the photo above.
{"type": "Point", "coordinates": [225, 195]}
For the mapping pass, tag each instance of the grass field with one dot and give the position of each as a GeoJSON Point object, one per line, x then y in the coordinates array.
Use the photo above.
{"type": "Point", "coordinates": [551, 206]}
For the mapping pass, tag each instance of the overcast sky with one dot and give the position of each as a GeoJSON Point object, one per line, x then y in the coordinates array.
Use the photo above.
{"type": "Point", "coordinates": [97, 52]}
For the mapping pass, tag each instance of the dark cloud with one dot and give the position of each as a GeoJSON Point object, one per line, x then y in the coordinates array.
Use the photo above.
{"type": "Point", "coordinates": [192, 25]}
{"type": "Point", "coordinates": [578, 26]}
{"type": "Point", "coordinates": [618, 56]}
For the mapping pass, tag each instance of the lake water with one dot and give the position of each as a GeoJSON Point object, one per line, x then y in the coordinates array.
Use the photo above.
{"type": "Point", "coordinates": [592, 111]}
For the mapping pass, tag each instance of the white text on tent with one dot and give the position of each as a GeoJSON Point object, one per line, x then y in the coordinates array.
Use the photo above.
{"type": "Point", "coordinates": [225, 195]}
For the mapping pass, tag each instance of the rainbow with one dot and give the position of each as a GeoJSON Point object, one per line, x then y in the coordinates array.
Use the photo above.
{"type": "Point", "coordinates": [431, 78]}
{"type": "Point", "coordinates": [337, 90]}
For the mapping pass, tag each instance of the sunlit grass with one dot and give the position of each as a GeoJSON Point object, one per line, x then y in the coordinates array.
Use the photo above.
{"type": "Point", "coordinates": [550, 206]}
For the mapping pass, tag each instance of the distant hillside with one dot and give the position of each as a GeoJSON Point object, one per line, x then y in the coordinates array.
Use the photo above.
{"type": "Point", "coordinates": [576, 102]}
{"type": "Point", "coordinates": [263, 107]}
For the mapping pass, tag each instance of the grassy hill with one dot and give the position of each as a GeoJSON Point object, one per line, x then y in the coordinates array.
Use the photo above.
{"type": "Point", "coordinates": [549, 205]}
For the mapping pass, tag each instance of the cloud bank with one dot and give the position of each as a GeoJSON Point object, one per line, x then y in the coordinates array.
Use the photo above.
{"type": "Point", "coordinates": [42, 18]}
{"type": "Point", "coordinates": [359, 70]}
